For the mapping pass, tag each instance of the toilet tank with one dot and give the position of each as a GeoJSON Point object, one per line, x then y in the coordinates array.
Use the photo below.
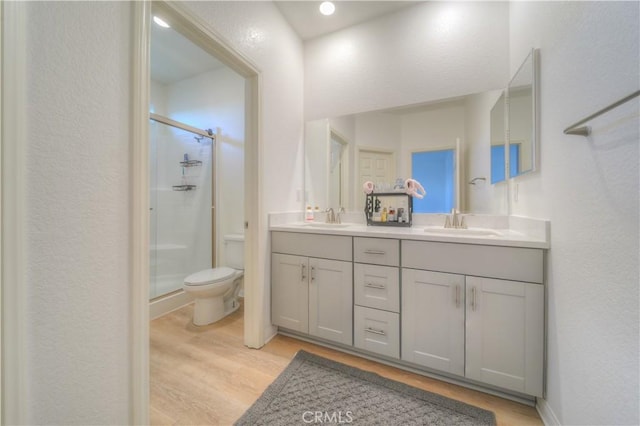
{"type": "Point", "coordinates": [234, 250]}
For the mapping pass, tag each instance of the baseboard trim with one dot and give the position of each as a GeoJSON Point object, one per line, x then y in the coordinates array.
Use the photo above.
{"type": "Point", "coordinates": [171, 302]}
{"type": "Point", "coordinates": [547, 415]}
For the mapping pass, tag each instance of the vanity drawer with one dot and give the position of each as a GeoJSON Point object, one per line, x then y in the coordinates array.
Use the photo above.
{"type": "Point", "coordinates": [509, 263]}
{"type": "Point", "coordinates": [377, 286]}
{"type": "Point", "coordinates": [378, 251]}
{"type": "Point", "coordinates": [313, 245]}
{"type": "Point", "coordinates": [377, 331]}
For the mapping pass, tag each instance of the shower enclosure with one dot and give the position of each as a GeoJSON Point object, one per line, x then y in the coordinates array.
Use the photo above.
{"type": "Point", "coordinates": [181, 203]}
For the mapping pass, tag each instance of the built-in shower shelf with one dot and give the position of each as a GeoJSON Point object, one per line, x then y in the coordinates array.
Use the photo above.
{"type": "Point", "coordinates": [184, 187]}
{"type": "Point", "coordinates": [191, 163]}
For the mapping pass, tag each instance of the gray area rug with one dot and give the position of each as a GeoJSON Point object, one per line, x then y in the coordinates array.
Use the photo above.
{"type": "Point", "coordinates": [313, 390]}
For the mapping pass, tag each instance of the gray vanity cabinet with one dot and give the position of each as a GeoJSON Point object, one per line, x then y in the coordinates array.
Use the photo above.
{"type": "Point", "coordinates": [433, 313]}
{"type": "Point", "coordinates": [312, 285]}
{"type": "Point", "coordinates": [376, 326]}
{"type": "Point", "coordinates": [505, 334]}
{"type": "Point", "coordinates": [290, 292]}
{"type": "Point", "coordinates": [467, 310]}
{"type": "Point", "coordinates": [487, 329]}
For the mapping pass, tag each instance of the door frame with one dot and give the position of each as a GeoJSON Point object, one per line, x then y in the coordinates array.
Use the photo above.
{"type": "Point", "coordinates": [200, 33]}
{"type": "Point", "coordinates": [13, 213]}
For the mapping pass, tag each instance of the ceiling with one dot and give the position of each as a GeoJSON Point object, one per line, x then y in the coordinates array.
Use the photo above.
{"type": "Point", "coordinates": [308, 22]}
{"type": "Point", "coordinates": [175, 58]}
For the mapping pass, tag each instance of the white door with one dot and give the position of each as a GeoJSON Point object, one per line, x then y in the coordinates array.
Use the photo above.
{"type": "Point", "coordinates": [290, 292]}
{"type": "Point", "coordinates": [331, 300]}
{"type": "Point", "coordinates": [433, 320]}
{"type": "Point", "coordinates": [374, 166]}
{"type": "Point", "coordinates": [505, 334]}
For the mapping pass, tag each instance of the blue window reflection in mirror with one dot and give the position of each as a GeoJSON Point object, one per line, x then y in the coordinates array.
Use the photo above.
{"type": "Point", "coordinates": [497, 162]}
{"type": "Point", "coordinates": [498, 140]}
{"type": "Point", "coordinates": [436, 171]}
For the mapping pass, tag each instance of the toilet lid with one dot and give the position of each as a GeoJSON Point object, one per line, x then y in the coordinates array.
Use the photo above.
{"type": "Point", "coordinates": [210, 276]}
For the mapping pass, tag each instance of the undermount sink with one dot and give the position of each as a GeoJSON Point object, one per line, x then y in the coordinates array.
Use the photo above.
{"type": "Point", "coordinates": [327, 225]}
{"type": "Point", "coordinates": [471, 232]}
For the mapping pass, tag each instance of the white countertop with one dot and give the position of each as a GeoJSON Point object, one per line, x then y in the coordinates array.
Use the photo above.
{"type": "Point", "coordinates": [493, 237]}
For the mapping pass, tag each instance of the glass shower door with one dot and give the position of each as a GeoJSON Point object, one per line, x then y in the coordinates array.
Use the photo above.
{"type": "Point", "coordinates": [180, 206]}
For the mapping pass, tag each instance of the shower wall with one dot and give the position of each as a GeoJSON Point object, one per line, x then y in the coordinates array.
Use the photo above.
{"type": "Point", "coordinates": [180, 220]}
{"type": "Point", "coordinates": [215, 100]}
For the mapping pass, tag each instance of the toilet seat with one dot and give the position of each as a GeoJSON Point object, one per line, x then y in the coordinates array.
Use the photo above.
{"type": "Point", "coordinates": [210, 276]}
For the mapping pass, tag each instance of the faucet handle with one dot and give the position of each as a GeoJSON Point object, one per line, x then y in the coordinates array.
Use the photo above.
{"type": "Point", "coordinates": [338, 218]}
{"type": "Point", "coordinates": [463, 223]}
{"type": "Point", "coordinates": [447, 222]}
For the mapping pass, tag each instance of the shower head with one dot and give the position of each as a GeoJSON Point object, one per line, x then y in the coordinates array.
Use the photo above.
{"type": "Point", "coordinates": [209, 132]}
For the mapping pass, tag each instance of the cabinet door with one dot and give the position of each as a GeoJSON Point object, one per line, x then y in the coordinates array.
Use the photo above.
{"type": "Point", "coordinates": [290, 292]}
{"type": "Point", "coordinates": [505, 334]}
{"type": "Point", "coordinates": [433, 320]}
{"type": "Point", "coordinates": [331, 300]}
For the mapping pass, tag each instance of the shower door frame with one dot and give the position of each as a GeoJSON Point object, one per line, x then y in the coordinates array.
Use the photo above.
{"type": "Point", "coordinates": [182, 126]}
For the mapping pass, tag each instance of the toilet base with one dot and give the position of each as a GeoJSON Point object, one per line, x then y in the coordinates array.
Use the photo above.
{"type": "Point", "coordinates": [211, 309]}
{"type": "Point", "coordinates": [208, 310]}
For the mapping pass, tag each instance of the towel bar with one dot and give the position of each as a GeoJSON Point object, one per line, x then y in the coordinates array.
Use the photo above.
{"type": "Point", "coordinates": [586, 130]}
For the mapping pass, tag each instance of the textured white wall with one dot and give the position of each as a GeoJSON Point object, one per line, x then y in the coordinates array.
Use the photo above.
{"type": "Point", "coordinates": [77, 173]}
{"type": "Point", "coordinates": [589, 189]}
{"type": "Point", "coordinates": [430, 51]}
{"type": "Point", "coordinates": [78, 183]}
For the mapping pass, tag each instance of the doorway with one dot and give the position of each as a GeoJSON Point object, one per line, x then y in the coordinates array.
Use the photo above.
{"type": "Point", "coordinates": [196, 144]}
{"type": "Point", "coordinates": [198, 32]}
{"type": "Point", "coordinates": [374, 165]}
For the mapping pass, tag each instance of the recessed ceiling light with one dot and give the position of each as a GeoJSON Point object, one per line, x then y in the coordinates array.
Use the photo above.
{"type": "Point", "coordinates": [327, 8]}
{"type": "Point", "coordinates": [160, 22]}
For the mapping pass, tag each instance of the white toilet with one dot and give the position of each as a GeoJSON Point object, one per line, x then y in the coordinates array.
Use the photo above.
{"type": "Point", "coordinates": [216, 290]}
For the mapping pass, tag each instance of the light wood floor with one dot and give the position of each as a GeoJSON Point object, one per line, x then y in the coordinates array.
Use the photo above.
{"type": "Point", "coordinates": [206, 376]}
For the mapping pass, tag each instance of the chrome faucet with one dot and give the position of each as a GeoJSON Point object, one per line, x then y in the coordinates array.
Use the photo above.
{"type": "Point", "coordinates": [455, 221]}
{"type": "Point", "coordinates": [331, 216]}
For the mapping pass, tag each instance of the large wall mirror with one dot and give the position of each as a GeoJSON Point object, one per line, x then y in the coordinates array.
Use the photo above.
{"type": "Point", "coordinates": [521, 95]}
{"type": "Point", "coordinates": [498, 139]}
{"type": "Point", "coordinates": [514, 124]}
{"type": "Point", "coordinates": [440, 143]}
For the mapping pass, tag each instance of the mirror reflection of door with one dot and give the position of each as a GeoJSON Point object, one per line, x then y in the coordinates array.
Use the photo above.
{"type": "Point", "coordinates": [338, 171]}
{"type": "Point", "coordinates": [376, 166]}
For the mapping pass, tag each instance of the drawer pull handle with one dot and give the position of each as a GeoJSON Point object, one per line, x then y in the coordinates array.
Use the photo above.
{"type": "Point", "coordinates": [375, 331]}
{"type": "Point", "coordinates": [373, 285]}
{"type": "Point", "coordinates": [313, 273]}
{"type": "Point", "coordinates": [474, 303]}
{"type": "Point", "coordinates": [302, 269]}
{"type": "Point", "coordinates": [380, 252]}
{"type": "Point", "coordinates": [457, 296]}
